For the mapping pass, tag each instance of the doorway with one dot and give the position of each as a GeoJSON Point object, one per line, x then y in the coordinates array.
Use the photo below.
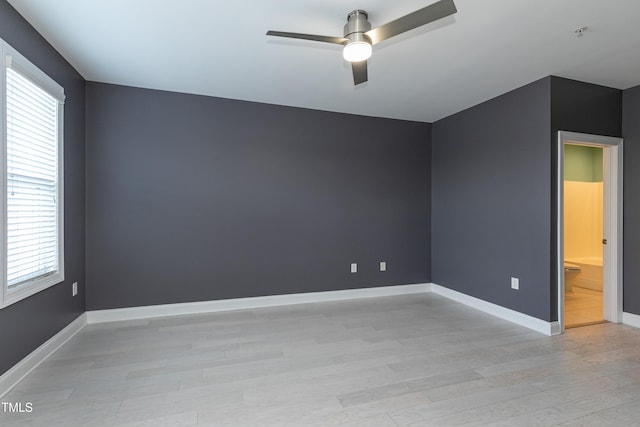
{"type": "Point", "coordinates": [583, 233]}
{"type": "Point", "coordinates": [589, 229]}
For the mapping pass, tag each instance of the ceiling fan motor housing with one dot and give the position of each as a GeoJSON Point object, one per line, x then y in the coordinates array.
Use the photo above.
{"type": "Point", "coordinates": [356, 27]}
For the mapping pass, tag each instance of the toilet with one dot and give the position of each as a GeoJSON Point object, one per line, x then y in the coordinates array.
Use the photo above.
{"type": "Point", "coordinates": [570, 273]}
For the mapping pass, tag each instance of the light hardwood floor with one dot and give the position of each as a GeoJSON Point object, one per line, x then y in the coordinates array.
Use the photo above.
{"type": "Point", "coordinates": [417, 360]}
{"type": "Point", "coordinates": [582, 307]}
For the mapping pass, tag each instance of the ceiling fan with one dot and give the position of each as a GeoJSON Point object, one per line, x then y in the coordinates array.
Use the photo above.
{"type": "Point", "coordinates": [359, 37]}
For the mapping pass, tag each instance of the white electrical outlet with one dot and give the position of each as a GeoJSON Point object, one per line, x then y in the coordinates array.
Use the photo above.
{"type": "Point", "coordinates": [515, 283]}
{"type": "Point", "coordinates": [354, 267]}
{"type": "Point", "coordinates": [383, 266]}
{"type": "Point", "coordinates": [74, 289]}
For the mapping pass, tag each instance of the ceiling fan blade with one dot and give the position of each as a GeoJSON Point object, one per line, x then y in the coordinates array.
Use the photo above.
{"type": "Point", "coordinates": [359, 72]}
{"type": "Point", "coordinates": [313, 37]}
{"type": "Point", "coordinates": [433, 12]}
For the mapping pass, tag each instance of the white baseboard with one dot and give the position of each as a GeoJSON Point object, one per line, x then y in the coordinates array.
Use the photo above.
{"type": "Point", "coordinates": [631, 319]}
{"type": "Point", "coordinates": [203, 307]}
{"type": "Point", "coordinates": [200, 307]}
{"type": "Point", "coordinates": [547, 328]}
{"type": "Point", "coordinates": [14, 375]}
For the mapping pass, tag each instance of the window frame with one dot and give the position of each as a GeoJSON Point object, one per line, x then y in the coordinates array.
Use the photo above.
{"type": "Point", "coordinates": [13, 59]}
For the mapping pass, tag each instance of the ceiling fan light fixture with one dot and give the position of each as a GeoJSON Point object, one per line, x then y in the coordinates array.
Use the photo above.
{"type": "Point", "coordinates": [358, 44]}
{"type": "Point", "coordinates": [357, 51]}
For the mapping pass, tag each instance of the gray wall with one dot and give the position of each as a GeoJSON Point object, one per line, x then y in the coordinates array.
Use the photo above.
{"type": "Point", "coordinates": [30, 322]}
{"type": "Point", "coordinates": [585, 107]}
{"type": "Point", "coordinates": [494, 189]}
{"type": "Point", "coordinates": [491, 175]}
{"type": "Point", "coordinates": [631, 134]}
{"type": "Point", "coordinates": [195, 198]}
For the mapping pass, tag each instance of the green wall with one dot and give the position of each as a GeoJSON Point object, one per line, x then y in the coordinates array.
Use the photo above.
{"type": "Point", "coordinates": [582, 163]}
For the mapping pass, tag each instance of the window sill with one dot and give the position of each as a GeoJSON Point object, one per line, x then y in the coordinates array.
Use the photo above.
{"type": "Point", "coordinates": [11, 296]}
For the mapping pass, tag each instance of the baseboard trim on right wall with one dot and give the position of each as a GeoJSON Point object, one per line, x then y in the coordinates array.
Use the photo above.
{"type": "Point", "coordinates": [538, 325]}
{"type": "Point", "coordinates": [631, 319]}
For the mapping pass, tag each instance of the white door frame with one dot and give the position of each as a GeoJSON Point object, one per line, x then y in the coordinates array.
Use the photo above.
{"type": "Point", "coordinates": [612, 218]}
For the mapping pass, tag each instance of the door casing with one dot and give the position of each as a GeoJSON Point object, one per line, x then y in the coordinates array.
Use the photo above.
{"type": "Point", "coordinates": [612, 218]}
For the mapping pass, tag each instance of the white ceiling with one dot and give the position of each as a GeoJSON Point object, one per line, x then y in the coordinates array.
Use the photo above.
{"type": "Point", "coordinates": [219, 48]}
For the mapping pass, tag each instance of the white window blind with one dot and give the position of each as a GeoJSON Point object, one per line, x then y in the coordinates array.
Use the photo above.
{"type": "Point", "coordinates": [31, 181]}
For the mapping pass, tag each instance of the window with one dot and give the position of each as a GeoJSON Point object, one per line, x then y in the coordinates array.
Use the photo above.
{"type": "Point", "coordinates": [31, 176]}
